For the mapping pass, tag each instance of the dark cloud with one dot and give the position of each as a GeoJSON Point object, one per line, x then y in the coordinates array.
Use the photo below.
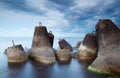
{"type": "Point", "coordinates": [76, 16]}
{"type": "Point", "coordinates": [19, 6]}
{"type": "Point", "coordinates": [63, 2]}
{"type": "Point", "coordinates": [101, 10]}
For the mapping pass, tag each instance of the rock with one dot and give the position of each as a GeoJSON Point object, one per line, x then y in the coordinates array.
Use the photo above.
{"type": "Point", "coordinates": [41, 37]}
{"type": "Point", "coordinates": [63, 55]}
{"type": "Point", "coordinates": [78, 44]}
{"type": "Point", "coordinates": [41, 49]}
{"type": "Point", "coordinates": [16, 53]}
{"type": "Point", "coordinates": [108, 36]}
{"type": "Point", "coordinates": [51, 37]}
{"type": "Point", "coordinates": [88, 48]}
{"type": "Point", "coordinates": [43, 54]}
{"type": "Point", "coordinates": [64, 44]}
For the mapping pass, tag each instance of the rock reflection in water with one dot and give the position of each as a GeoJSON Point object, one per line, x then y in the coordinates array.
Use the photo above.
{"type": "Point", "coordinates": [33, 69]}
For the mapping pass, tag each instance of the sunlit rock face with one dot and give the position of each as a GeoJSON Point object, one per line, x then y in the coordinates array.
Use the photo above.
{"type": "Point", "coordinates": [16, 53]}
{"type": "Point", "coordinates": [88, 48]}
{"type": "Point", "coordinates": [41, 49]}
{"type": "Point", "coordinates": [43, 54]}
{"type": "Point", "coordinates": [108, 36]}
{"type": "Point", "coordinates": [64, 53]}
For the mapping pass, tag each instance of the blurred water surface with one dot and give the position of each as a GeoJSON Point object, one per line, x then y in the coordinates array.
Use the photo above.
{"type": "Point", "coordinates": [33, 69]}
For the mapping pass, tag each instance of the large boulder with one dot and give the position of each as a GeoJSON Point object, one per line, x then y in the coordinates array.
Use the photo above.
{"type": "Point", "coordinates": [108, 36]}
{"type": "Point", "coordinates": [41, 49]}
{"type": "Point", "coordinates": [16, 53]}
{"type": "Point", "coordinates": [88, 48]}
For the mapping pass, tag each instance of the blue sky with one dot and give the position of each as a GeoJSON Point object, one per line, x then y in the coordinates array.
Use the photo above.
{"type": "Point", "coordinates": [66, 18]}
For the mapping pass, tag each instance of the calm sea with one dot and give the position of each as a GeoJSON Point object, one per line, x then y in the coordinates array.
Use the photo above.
{"type": "Point", "coordinates": [32, 69]}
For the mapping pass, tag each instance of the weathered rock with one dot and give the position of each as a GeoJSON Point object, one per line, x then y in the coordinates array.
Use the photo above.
{"type": "Point", "coordinates": [63, 55]}
{"type": "Point", "coordinates": [43, 54]}
{"type": "Point", "coordinates": [51, 37]}
{"type": "Point", "coordinates": [41, 37]}
{"type": "Point", "coordinates": [42, 50]}
{"type": "Point", "coordinates": [108, 35]}
{"type": "Point", "coordinates": [16, 53]}
{"type": "Point", "coordinates": [78, 44]}
{"type": "Point", "coordinates": [64, 44]}
{"type": "Point", "coordinates": [88, 48]}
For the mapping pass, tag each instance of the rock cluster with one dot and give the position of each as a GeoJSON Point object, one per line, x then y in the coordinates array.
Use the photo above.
{"type": "Point", "coordinates": [103, 44]}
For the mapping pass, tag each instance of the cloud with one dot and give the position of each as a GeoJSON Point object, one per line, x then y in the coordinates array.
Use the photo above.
{"type": "Point", "coordinates": [20, 6]}
{"type": "Point", "coordinates": [63, 17]}
{"type": "Point", "coordinates": [63, 2]}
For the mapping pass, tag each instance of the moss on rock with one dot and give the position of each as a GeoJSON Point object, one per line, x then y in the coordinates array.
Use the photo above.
{"type": "Point", "coordinates": [90, 68]}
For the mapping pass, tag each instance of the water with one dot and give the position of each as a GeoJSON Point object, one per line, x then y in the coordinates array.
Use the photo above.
{"type": "Point", "coordinates": [32, 69]}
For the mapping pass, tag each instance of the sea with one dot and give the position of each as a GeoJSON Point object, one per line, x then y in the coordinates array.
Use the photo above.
{"type": "Point", "coordinates": [32, 69]}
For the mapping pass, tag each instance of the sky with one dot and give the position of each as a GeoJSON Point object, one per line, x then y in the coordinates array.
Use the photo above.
{"type": "Point", "coordinates": [65, 18]}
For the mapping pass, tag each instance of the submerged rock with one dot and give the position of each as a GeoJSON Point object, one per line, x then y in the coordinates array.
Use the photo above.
{"type": "Point", "coordinates": [108, 35]}
{"type": "Point", "coordinates": [41, 49]}
{"type": "Point", "coordinates": [88, 48]}
{"type": "Point", "coordinates": [16, 53]}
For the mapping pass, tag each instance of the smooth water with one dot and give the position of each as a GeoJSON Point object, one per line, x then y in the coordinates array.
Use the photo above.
{"type": "Point", "coordinates": [33, 69]}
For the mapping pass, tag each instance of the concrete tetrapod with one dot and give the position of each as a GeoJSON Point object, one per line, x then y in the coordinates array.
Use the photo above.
{"type": "Point", "coordinates": [108, 36]}
{"type": "Point", "coordinates": [64, 44]}
{"type": "Point", "coordinates": [41, 49]}
{"type": "Point", "coordinates": [64, 53]}
{"type": "Point", "coordinates": [16, 53]}
{"type": "Point", "coordinates": [88, 48]}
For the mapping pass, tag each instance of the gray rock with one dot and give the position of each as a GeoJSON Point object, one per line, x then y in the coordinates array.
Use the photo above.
{"type": "Point", "coordinates": [108, 35]}
{"type": "Point", "coordinates": [41, 49]}
{"type": "Point", "coordinates": [16, 53]}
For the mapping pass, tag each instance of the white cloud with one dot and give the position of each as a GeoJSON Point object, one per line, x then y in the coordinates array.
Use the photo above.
{"type": "Point", "coordinates": [76, 15]}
